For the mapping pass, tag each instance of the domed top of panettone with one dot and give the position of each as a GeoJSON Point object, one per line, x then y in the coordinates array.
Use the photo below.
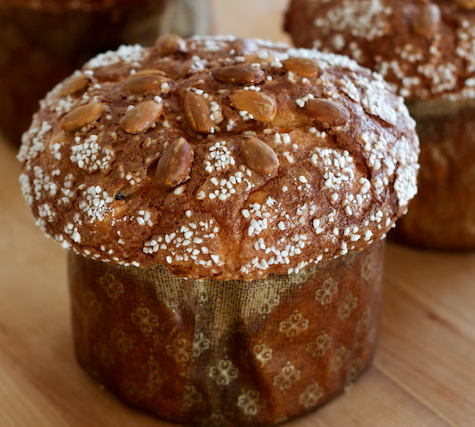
{"type": "Point", "coordinates": [219, 157]}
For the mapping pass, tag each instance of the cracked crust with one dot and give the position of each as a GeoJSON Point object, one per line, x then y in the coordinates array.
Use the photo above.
{"type": "Point", "coordinates": [337, 188]}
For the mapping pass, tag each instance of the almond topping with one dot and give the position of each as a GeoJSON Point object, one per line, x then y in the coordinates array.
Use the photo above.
{"type": "Point", "coordinates": [140, 118]}
{"type": "Point", "coordinates": [243, 45]}
{"type": "Point", "coordinates": [259, 156]}
{"type": "Point", "coordinates": [145, 83]}
{"type": "Point", "coordinates": [74, 85]}
{"type": "Point", "coordinates": [81, 116]}
{"type": "Point", "coordinates": [238, 75]}
{"type": "Point", "coordinates": [253, 58]}
{"type": "Point", "coordinates": [305, 67]}
{"type": "Point", "coordinates": [466, 4]}
{"type": "Point", "coordinates": [426, 20]}
{"type": "Point", "coordinates": [174, 163]}
{"type": "Point", "coordinates": [124, 193]}
{"type": "Point", "coordinates": [149, 71]}
{"type": "Point", "coordinates": [328, 111]}
{"type": "Point", "coordinates": [262, 107]}
{"type": "Point", "coordinates": [197, 113]}
{"type": "Point", "coordinates": [170, 44]}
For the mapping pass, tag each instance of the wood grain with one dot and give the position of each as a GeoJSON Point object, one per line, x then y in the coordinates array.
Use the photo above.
{"type": "Point", "coordinates": [424, 369]}
{"type": "Point", "coordinates": [427, 330]}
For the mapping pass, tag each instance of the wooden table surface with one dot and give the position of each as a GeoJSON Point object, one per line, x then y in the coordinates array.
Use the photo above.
{"type": "Point", "coordinates": [424, 369]}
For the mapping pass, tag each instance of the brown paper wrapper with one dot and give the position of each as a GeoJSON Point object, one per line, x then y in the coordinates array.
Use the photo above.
{"type": "Point", "coordinates": [212, 353]}
{"type": "Point", "coordinates": [442, 215]}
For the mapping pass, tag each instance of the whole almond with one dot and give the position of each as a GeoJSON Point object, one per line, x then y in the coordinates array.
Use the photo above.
{"type": "Point", "coordinates": [74, 85]}
{"type": "Point", "coordinates": [140, 118]}
{"type": "Point", "coordinates": [244, 45]}
{"type": "Point", "coordinates": [328, 111]}
{"type": "Point", "coordinates": [262, 107]}
{"type": "Point", "coordinates": [81, 116]}
{"type": "Point", "coordinates": [170, 44]}
{"type": "Point", "coordinates": [124, 193]}
{"type": "Point", "coordinates": [305, 67]}
{"type": "Point", "coordinates": [259, 156]}
{"type": "Point", "coordinates": [197, 112]}
{"type": "Point", "coordinates": [238, 74]}
{"type": "Point", "coordinates": [148, 71]}
{"type": "Point", "coordinates": [426, 20]}
{"type": "Point", "coordinates": [466, 4]}
{"type": "Point", "coordinates": [255, 57]}
{"type": "Point", "coordinates": [145, 83]}
{"type": "Point", "coordinates": [173, 165]}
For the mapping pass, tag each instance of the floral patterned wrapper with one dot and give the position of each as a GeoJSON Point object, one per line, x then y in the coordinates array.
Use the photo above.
{"type": "Point", "coordinates": [214, 353]}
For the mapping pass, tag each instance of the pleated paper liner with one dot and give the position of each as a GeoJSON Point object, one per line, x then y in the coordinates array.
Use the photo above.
{"type": "Point", "coordinates": [213, 353]}
{"type": "Point", "coordinates": [442, 215]}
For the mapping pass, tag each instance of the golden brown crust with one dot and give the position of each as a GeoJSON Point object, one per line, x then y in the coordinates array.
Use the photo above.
{"type": "Point", "coordinates": [336, 188]}
{"type": "Point", "coordinates": [426, 48]}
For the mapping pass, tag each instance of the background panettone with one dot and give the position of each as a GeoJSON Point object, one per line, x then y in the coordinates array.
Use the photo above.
{"type": "Point", "coordinates": [42, 42]}
{"type": "Point", "coordinates": [442, 215]}
{"type": "Point", "coordinates": [61, 5]}
{"type": "Point", "coordinates": [84, 5]}
{"type": "Point", "coordinates": [426, 49]}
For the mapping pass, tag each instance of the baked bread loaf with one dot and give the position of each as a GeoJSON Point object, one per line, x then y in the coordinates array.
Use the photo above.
{"type": "Point", "coordinates": [219, 158]}
{"type": "Point", "coordinates": [266, 177]}
{"type": "Point", "coordinates": [425, 49]}
{"type": "Point", "coordinates": [42, 42]}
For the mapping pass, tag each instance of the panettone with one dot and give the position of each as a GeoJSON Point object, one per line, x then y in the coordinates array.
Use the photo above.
{"type": "Point", "coordinates": [265, 177]}
{"type": "Point", "coordinates": [425, 49]}
{"type": "Point", "coordinates": [207, 154]}
{"type": "Point", "coordinates": [44, 41]}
